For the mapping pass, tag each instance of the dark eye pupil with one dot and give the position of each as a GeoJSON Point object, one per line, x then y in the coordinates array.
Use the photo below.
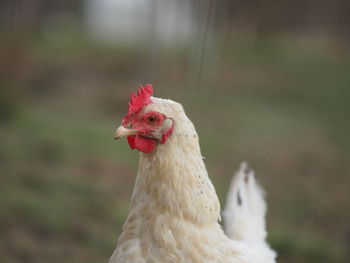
{"type": "Point", "coordinates": [151, 118]}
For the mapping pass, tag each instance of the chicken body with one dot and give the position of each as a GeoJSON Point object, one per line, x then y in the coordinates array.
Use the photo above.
{"type": "Point", "coordinates": [174, 209]}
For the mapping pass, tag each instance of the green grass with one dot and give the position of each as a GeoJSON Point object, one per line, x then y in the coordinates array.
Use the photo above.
{"type": "Point", "coordinates": [65, 184]}
{"type": "Point", "coordinates": [47, 192]}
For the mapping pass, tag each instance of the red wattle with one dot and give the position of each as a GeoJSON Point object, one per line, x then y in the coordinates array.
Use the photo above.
{"type": "Point", "coordinates": [131, 141]}
{"type": "Point", "coordinates": [142, 144]}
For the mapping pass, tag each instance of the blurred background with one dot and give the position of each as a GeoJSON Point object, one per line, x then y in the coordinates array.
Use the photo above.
{"type": "Point", "coordinates": [263, 81]}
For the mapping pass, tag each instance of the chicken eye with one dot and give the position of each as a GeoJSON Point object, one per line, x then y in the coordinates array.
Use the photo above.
{"type": "Point", "coordinates": [151, 119]}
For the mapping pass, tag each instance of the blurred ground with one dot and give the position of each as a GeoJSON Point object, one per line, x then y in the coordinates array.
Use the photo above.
{"type": "Point", "coordinates": [281, 103]}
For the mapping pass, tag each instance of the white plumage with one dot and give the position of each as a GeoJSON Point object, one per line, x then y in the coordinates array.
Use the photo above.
{"type": "Point", "coordinates": [174, 209]}
{"type": "Point", "coordinates": [244, 214]}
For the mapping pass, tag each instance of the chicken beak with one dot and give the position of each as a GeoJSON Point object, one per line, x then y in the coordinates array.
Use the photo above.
{"type": "Point", "coordinates": [122, 132]}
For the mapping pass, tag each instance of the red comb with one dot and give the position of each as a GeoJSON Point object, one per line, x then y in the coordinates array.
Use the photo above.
{"type": "Point", "coordinates": [140, 99]}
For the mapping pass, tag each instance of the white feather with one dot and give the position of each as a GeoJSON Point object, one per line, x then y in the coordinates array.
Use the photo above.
{"type": "Point", "coordinates": [244, 215]}
{"type": "Point", "coordinates": [174, 209]}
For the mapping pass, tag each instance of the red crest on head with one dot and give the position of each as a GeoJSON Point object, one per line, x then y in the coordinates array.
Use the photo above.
{"type": "Point", "coordinates": [139, 100]}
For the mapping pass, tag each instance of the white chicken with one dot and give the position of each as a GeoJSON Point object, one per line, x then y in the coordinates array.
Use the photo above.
{"type": "Point", "coordinates": [174, 211]}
